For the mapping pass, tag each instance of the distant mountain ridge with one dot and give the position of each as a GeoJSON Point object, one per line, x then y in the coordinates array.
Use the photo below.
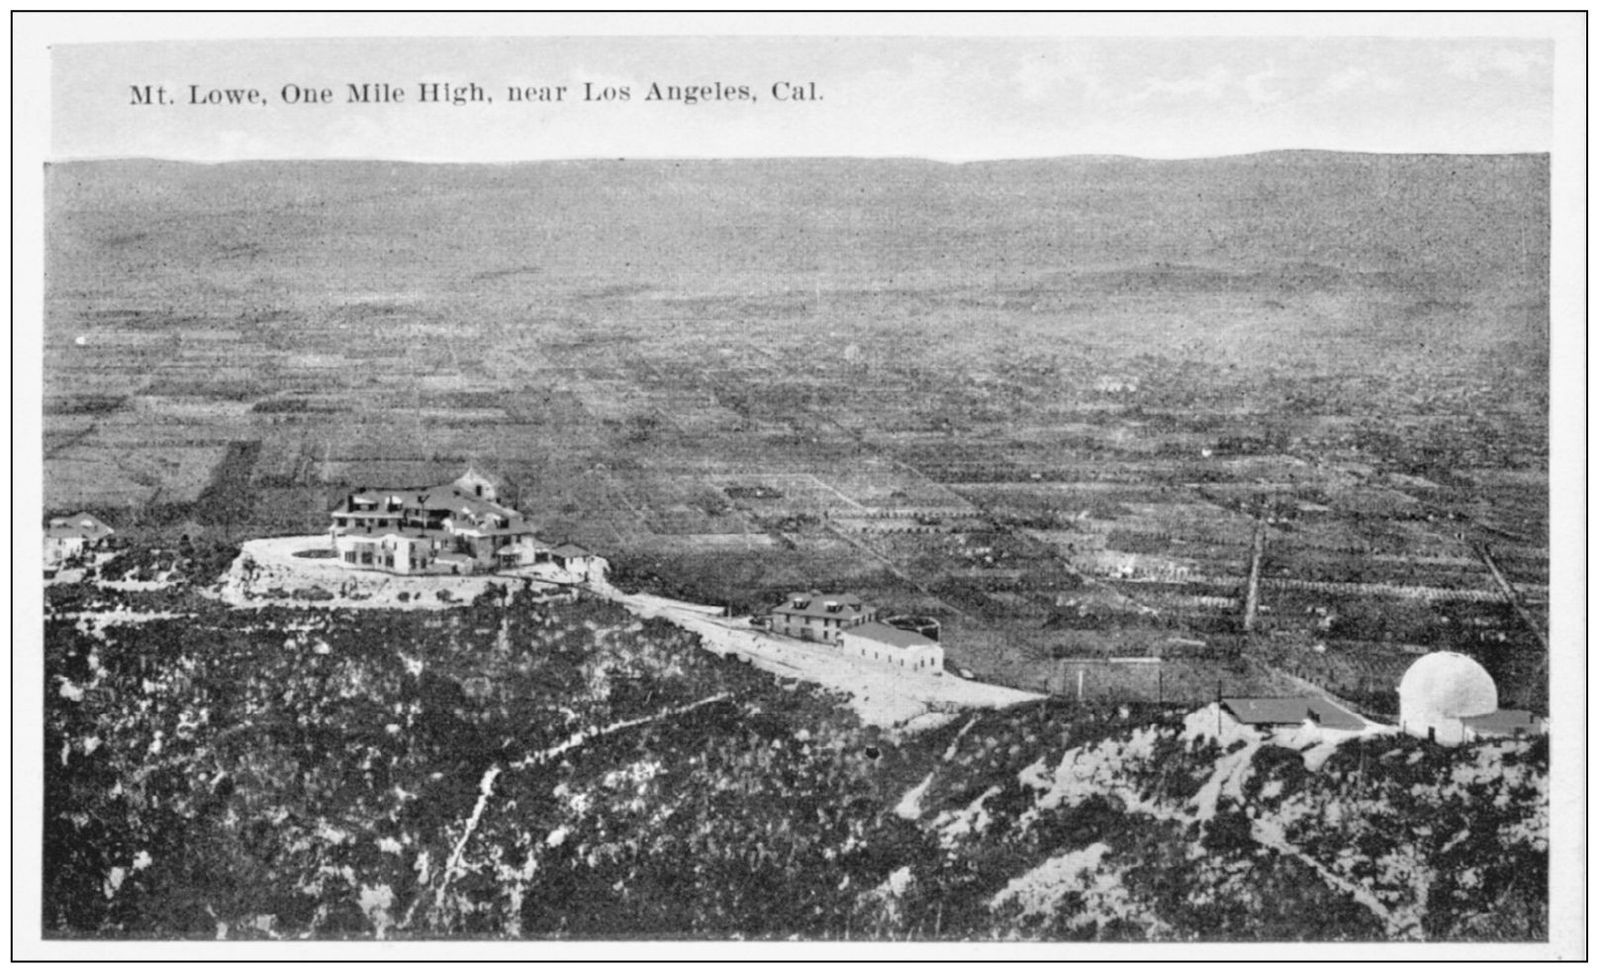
{"type": "Point", "coordinates": [828, 223]}
{"type": "Point", "coordinates": [1091, 158]}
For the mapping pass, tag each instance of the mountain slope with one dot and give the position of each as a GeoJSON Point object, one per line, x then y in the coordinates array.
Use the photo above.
{"type": "Point", "coordinates": [509, 769]}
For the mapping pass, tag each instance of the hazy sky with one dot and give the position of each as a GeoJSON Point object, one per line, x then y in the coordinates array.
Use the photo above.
{"type": "Point", "coordinates": [940, 97]}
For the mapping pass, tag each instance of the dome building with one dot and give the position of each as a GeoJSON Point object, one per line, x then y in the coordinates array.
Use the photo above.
{"type": "Point", "coordinates": [1441, 690]}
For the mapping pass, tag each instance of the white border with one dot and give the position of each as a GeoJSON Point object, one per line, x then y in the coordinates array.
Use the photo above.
{"type": "Point", "coordinates": [32, 33]}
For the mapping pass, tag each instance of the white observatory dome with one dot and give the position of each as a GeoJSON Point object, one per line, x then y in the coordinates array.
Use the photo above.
{"type": "Point", "coordinates": [1441, 689]}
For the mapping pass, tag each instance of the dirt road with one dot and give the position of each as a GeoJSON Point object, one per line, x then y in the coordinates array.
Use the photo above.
{"type": "Point", "coordinates": [881, 695]}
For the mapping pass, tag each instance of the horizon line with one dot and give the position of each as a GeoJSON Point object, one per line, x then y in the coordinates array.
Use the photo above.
{"type": "Point", "coordinates": [981, 160]}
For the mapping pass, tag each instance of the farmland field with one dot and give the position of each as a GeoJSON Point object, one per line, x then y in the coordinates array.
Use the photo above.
{"type": "Point", "coordinates": [1045, 402]}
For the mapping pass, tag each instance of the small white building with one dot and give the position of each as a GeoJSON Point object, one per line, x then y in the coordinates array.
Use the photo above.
{"type": "Point", "coordinates": [393, 550]}
{"type": "Point", "coordinates": [522, 552]}
{"type": "Point", "coordinates": [571, 557]}
{"type": "Point", "coordinates": [473, 482]}
{"type": "Point", "coordinates": [1504, 724]}
{"type": "Point", "coordinates": [893, 646]}
{"type": "Point", "coordinates": [67, 537]}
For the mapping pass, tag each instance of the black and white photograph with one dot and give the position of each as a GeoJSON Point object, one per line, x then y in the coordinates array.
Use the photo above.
{"type": "Point", "coordinates": [701, 487]}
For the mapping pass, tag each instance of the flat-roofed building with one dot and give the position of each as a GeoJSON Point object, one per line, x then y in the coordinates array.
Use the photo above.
{"type": "Point", "coordinates": [1503, 723]}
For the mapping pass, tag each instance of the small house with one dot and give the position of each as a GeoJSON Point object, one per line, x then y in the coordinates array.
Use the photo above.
{"type": "Point", "coordinates": [571, 557]}
{"type": "Point", "coordinates": [67, 537]}
{"type": "Point", "coordinates": [1501, 724]}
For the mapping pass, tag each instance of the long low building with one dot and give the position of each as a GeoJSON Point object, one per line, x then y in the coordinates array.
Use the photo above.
{"type": "Point", "coordinates": [885, 643]}
{"type": "Point", "coordinates": [1503, 723]}
{"type": "Point", "coordinates": [1265, 713]}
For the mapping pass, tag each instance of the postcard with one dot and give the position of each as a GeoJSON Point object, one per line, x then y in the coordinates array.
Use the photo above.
{"type": "Point", "coordinates": [710, 487]}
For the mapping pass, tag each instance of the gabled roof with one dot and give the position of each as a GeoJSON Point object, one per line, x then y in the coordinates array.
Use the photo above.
{"type": "Point", "coordinates": [1501, 721]}
{"type": "Point", "coordinates": [1292, 712]}
{"type": "Point", "coordinates": [516, 528]}
{"type": "Point", "coordinates": [449, 498]}
{"type": "Point", "coordinates": [458, 500]}
{"type": "Point", "coordinates": [889, 635]}
{"type": "Point", "coordinates": [567, 550]}
{"type": "Point", "coordinates": [378, 497]}
{"type": "Point", "coordinates": [85, 525]}
{"type": "Point", "coordinates": [816, 606]}
{"type": "Point", "coordinates": [473, 476]}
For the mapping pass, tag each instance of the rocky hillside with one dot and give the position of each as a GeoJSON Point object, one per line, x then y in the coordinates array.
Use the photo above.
{"type": "Point", "coordinates": [1177, 829]}
{"type": "Point", "coordinates": [520, 769]}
